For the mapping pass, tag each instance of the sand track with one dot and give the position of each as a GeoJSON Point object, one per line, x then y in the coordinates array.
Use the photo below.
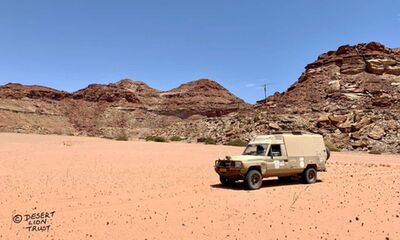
{"type": "Point", "coordinates": [103, 189]}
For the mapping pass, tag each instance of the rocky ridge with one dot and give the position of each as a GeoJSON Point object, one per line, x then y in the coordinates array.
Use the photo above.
{"type": "Point", "coordinates": [107, 110]}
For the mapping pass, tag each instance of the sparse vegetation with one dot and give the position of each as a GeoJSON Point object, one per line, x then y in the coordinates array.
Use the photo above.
{"type": "Point", "coordinates": [237, 142]}
{"type": "Point", "coordinates": [91, 134]}
{"type": "Point", "coordinates": [58, 131]}
{"type": "Point", "coordinates": [68, 133]}
{"type": "Point", "coordinates": [156, 139]}
{"type": "Point", "coordinates": [207, 140]}
{"type": "Point", "coordinates": [377, 152]}
{"type": "Point", "coordinates": [175, 139]}
{"type": "Point", "coordinates": [67, 143]}
{"type": "Point", "coordinates": [331, 146]}
{"type": "Point", "coordinates": [122, 137]}
{"type": "Point", "coordinates": [107, 137]}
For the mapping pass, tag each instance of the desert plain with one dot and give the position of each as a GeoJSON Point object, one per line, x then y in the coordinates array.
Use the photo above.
{"type": "Point", "coordinates": [92, 188]}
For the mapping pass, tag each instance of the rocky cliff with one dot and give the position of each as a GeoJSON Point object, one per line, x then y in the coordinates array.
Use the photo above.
{"type": "Point", "coordinates": [351, 96]}
{"type": "Point", "coordinates": [365, 76]}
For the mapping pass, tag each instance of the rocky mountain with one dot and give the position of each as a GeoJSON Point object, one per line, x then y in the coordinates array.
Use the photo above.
{"type": "Point", "coordinates": [107, 109]}
{"type": "Point", "coordinates": [351, 96]}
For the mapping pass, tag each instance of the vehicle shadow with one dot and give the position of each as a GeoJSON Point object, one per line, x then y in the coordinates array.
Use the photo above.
{"type": "Point", "coordinates": [267, 183]}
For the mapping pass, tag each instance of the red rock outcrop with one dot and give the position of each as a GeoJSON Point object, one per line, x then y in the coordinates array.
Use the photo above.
{"type": "Point", "coordinates": [202, 97]}
{"type": "Point", "coordinates": [365, 76]}
{"type": "Point", "coordinates": [19, 91]}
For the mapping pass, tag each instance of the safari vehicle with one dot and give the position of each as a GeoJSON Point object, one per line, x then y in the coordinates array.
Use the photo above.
{"type": "Point", "coordinates": [281, 154]}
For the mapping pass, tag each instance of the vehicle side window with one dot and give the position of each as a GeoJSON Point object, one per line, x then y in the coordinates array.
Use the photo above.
{"type": "Point", "coordinates": [256, 149]}
{"type": "Point", "coordinates": [260, 150]}
{"type": "Point", "coordinates": [275, 150]}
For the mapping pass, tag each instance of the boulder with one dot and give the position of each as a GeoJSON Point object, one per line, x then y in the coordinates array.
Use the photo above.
{"type": "Point", "coordinates": [336, 119]}
{"type": "Point", "coordinates": [274, 126]}
{"type": "Point", "coordinates": [359, 143]}
{"type": "Point", "coordinates": [392, 124]}
{"type": "Point", "coordinates": [362, 123]}
{"type": "Point", "coordinates": [376, 133]}
{"type": "Point", "coordinates": [375, 66]}
{"type": "Point", "coordinates": [323, 120]}
{"type": "Point", "coordinates": [355, 135]}
{"type": "Point", "coordinates": [379, 66]}
{"type": "Point", "coordinates": [345, 127]}
{"type": "Point", "coordinates": [353, 65]}
{"type": "Point", "coordinates": [395, 70]}
{"type": "Point", "coordinates": [375, 46]}
{"type": "Point", "coordinates": [333, 86]}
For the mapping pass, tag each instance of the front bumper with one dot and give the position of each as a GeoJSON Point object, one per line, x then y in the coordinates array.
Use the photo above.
{"type": "Point", "coordinates": [229, 170]}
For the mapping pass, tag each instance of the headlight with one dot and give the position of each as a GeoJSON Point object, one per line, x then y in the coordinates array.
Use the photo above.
{"type": "Point", "coordinates": [238, 164]}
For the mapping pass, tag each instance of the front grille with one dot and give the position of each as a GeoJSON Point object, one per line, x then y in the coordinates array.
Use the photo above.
{"type": "Point", "coordinates": [223, 163]}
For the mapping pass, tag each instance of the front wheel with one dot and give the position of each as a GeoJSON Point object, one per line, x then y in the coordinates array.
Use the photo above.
{"type": "Point", "coordinates": [253, 180]}
{"type": "Point", "coordinates": [310, 176]}
{"type": "Point", "coordinates": [226, 181]}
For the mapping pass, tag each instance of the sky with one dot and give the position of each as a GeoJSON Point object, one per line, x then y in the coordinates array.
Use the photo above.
{"type": "Point", "coordinates": [240, 44]}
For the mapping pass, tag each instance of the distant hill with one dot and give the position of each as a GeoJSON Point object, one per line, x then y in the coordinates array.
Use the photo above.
{"type": "Point", "coordinates": [105, 110]}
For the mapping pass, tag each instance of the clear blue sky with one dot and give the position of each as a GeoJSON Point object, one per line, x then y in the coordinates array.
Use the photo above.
{"type": "Point", "coordinates": [241, 44]}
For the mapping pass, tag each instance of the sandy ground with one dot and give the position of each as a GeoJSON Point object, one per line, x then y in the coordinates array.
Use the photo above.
{"type": "Point", "coordinates": [102, 189]}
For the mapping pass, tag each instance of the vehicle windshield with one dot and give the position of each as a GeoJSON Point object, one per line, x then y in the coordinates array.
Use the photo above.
{"type": "Point", "coordinates": [256, 149]}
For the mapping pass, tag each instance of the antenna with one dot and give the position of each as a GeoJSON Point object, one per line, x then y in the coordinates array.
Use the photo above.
{"type": "Point", "coordinates": [265, 90]}
{"type": "Point", "coordinates": [264, 87]}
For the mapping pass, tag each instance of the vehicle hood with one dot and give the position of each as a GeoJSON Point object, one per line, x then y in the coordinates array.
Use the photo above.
{"type": "Point", "coordinates": [245, 158]}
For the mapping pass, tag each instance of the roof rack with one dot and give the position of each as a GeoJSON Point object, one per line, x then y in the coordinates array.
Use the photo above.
{"type": "Point", "coordinates": [295, 132]}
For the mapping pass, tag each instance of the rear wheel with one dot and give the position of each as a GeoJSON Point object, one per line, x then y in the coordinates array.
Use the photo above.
{"type": "Point", "coordinates": [310, 175]}
{"type": "Point", "coordinates": [226, 181]}
{"type": "Point", "coordinates": [253, 180]}
{"type": "Point", "coordinates": [328, 153]}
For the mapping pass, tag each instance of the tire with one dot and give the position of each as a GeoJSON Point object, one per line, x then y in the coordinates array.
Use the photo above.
{"type": "Point", "coordinates": [226, 181]}
{"type": "Point", "coordinates": [310, 176]}
{"type": "Point", "coordinates": [253, 180]}
{"type": "Point", "coordinates": [328, 153]}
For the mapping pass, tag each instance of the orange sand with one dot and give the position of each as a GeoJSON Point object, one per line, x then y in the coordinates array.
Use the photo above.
{"type": "Point", "coordinates": [104, 189]}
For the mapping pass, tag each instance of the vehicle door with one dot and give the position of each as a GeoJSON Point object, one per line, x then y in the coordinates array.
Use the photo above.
{"type": "Point", "coordinates": [277, 159]}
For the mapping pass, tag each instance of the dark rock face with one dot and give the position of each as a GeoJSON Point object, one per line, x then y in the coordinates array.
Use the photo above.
{"type": "Point", "coordinates": [108, 93]}
{"type": "Point", "coordinates": [202, 97]}
{"type": "Point", "coordinates": [19, 91]}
